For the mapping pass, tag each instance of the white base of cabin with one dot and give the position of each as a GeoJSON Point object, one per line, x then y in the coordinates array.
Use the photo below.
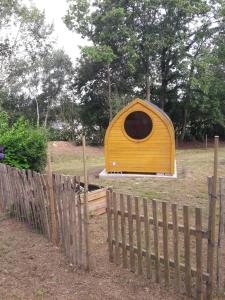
{"type": "Point", "coordinates": [104, 174]}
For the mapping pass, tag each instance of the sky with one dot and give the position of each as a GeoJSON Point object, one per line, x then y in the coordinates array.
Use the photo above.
{"type": "Point", "coordinates": [66, 39]}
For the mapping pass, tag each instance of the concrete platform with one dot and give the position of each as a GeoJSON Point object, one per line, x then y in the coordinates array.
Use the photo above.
{"type": "Point", "coordinates": [104, 174]}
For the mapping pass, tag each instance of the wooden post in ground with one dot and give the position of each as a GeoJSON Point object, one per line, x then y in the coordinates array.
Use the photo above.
{"type": "Point", "coordinates": [220, 234]}
{"type": "Point", "coordinates": [212, 224]}
{"type": "Point", "coordinates": [86, 221]}
{"type": "Point", "coordinates": [206, 142]}
{"type": "Point", "coordinates": [52, 204]}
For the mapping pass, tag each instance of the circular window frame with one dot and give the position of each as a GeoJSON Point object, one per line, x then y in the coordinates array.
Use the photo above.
{"type": "Point", "coordinates": [130, 138]}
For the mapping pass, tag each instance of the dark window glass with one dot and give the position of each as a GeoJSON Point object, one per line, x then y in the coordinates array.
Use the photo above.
{"type": "Point", "coordinates": [138, 125]}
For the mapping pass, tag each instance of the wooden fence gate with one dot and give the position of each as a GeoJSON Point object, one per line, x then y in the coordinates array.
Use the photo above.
{"type": "Point", "coordinates": [164, 241]}
{"type": "Point", "coordinates": [25, 195]}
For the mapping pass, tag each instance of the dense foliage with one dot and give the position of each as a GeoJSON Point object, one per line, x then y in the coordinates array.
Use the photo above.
{"type": "Point", "coordinates": [168, 51]}
{"type": "Point", "coordinates": [24, 146]}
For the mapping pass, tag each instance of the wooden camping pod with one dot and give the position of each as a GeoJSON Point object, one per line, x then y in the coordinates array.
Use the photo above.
{"type": "Point", "coordinates": [140, 139]}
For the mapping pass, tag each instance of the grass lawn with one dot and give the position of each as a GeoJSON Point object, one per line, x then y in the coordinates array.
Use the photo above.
{"type": "Point", "coordinates": [193, 166]}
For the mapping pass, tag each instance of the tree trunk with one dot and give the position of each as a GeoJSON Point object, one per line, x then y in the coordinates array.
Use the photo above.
{"type": "Point", "coordinates": [38, 112]}
{"type": "Point", "coordinates": [163, 94]}
{"type": "Point", "coordinates": [184, 124]}
{"type": "Point", "coordinates": [46, 117]}
{"type": "Point", "coordinates": [109, 92]}
{"type": "Point", "coordinates": [148, 86]}
{"type": "Point", "coordinates": [187, 101]}
{"type": "Point", "coordinates": [164, 73]}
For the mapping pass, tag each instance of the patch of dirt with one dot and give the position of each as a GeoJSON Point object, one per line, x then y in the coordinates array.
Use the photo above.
{"type": "Point", "coordinates": [32, 268]}
{"type": "Point", "coordinates": [68, 148]}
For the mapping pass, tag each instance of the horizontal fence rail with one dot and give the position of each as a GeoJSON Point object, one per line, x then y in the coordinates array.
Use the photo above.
{"type": "Point", "coordinates": [25, 195]}
{"type": "Point", "coordinates": [159, 239]}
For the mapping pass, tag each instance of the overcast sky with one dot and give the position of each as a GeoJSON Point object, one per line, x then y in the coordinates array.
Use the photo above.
{"type": "Point", "coordinates": [55, 10]}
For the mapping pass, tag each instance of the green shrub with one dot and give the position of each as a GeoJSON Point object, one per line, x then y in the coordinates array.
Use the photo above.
{"type": "Point", "coordinates": [24, 146]}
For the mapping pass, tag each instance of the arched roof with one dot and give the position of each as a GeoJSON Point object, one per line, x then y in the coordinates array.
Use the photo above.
{"type": "Point", "coordinates": [159, 109]}
{"type": "Point", "coordinates": [149, 105]}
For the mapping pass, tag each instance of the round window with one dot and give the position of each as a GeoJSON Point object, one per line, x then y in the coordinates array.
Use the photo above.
{"type": "Point", "coordinates": [138, 125]}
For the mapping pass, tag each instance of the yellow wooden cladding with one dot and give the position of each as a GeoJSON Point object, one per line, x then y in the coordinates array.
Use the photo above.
{"type": "Point", "coordinates": [154, 154]}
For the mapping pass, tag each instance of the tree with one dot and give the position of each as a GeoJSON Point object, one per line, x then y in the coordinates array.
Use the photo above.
{"type": "Point", "coordinates": [105, 55]}
{"type": "Point", "coordinates": [150, 37]}
{"type": "Point", "coordinates": [157, 46]}
{"type": "Point", "coordinates": [35, 76]}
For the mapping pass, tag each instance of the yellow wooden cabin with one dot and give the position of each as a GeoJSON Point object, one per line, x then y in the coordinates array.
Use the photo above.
{"type": "Point", "coordinates": [140, 139]}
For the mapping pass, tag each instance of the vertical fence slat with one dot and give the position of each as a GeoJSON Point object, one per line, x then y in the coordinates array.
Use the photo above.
{"type": "Point", "coordinates": [23, 192]}
{"type": "Point", "coordinates": [123, 231]}
{"type": "Point", "coordinates": [220, 234]}
{"type": "Point", "coordinates": [38, 203]}
{"type": "Point", "coordinates": [65, 223]}
{"type": "Point", "coordinates": [176, 248]}
{"type": "Point", "coordinates": [198, 225]}
{"type": "Point", "coordinates": [15, 193]}
{"type": "Point", "coordinates": [67, 190]}
{"type": "Point", "coordinates": [210, 246]}
{"type": "Point", "coordinates": [116, 228]}
{"type": "Point", "coordinates": [74, 222]}
{"type": "Point", "coordinates": [71, 241]}
{"type": "Point", "coordinates": [52, 203]}
{"type": "Point", "coordinates": [131, 232]}
{"type": "Point", "coordinates": [80, 230]}
{"type": "Point", "coordinates": [147, 239]}
{"type": "Point", "coordinates": [187, 252]}
{"type": "Point", "coordinates": [209, 182]}
{"type": "Point", "coordinates": [64, 212]}
{"type": "Point", "coordinates": [156, 239]}
{"type": "Point", "coordinates": [138, 233]}
{"type": "Point", "coordinates": [58, 193]}
{"type": "Point", "coordinates": [45, 203]}
{"type": "Point", "coordinates": [42, 205]}
{"type": "Point", "coordinates": [109, 217]}
{"type": "Point", "coordinates": [212, 229]}
{"type": "Point", "coordinates": [165, 242]}
{"type": "Point", "coordinates": [31, 198]}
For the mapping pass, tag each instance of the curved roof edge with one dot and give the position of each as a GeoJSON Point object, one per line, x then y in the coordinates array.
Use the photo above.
{"type": "Point", "coordinates": [157, 108]}
{"type": "Point", "coordinates": [145, 103]}
{"type": "Point", "coordinates": [154, 106]}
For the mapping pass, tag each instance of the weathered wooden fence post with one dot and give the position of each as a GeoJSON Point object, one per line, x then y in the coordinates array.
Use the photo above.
{"type": "Point", "coordinates": [52, 204]}
{"type": "Point", "coordinates": [109, 223]}
{"type": "Point", "coordinates": [86, 217]}
{"type": "Point", "coordinates": [212, 225]}
{"type": "Point", "coordinates": [220, 234]}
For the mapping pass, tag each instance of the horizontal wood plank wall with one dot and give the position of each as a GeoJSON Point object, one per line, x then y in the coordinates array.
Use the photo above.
{"type": "Point", "coordinates": [25, 195]}
{"type": "Point", "coordinates": [142, 230]}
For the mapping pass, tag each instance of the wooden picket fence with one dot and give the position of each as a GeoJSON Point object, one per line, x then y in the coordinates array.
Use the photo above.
{"type": "Point", "coordinates": [171, 243]}
{"type": "Point", "coordinates": [166, 241]}
{"type": "Point", "coordinates": [26, 195]}
{"type": "Point", "coordinates": [71, 222]}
